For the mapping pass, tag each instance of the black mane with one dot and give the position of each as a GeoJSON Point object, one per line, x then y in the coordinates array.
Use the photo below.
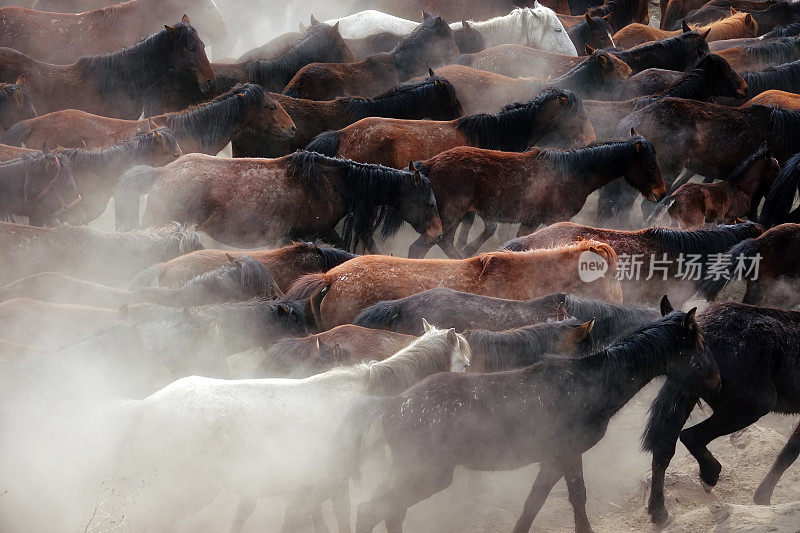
{"type": "Point", "coordinates": [784, 77]}
{"type": "Point", "coordinates": [704, 241]}
{"type": "Point", "coordinates": [696, 84]}
{"type": "Point", "coordinates": [669, 54]}
{"type": "Point", "coordinates": [18, 176]}
{"type": "Point", "coordinates": [407, 100]}
{"type": "Point", "coordinates": [595, 156]}
{"type": "Point", "coordinates": [413, 50]}
{"type": "Point", "coordinates": [790, 30]}
{"type": "Point", "coordinates": [8, 99]}
{"type": "Point", "coordinates": [778, 52]}
{"type": "Point", "coordinates": [136, 149]}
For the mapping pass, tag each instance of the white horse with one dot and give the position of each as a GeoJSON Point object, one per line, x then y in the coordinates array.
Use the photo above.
{"type": "Point", "coordinates": [260, 437]}
{"type": "Point", "coordinates": [537, 27]}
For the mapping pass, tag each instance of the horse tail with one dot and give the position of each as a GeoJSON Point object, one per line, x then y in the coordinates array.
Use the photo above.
{"type": "Point", "coordinates": [18, 134]}
{"type": "Point", "coordinates": [780, 197]}
{"type": "Point", "coordinates": [146, 278]}
{"type": "Point", "coordinates": [382, 315]}
{"type": "Point", "coordinates": [311, 287]}
{"type": "Point", "coordinates": [134, 183]}
{"type": "Point", "coordinates": [670, 404]}
{"type": "Point", "coordinates": [710, 288]}
{"type": "Point", "coordinates": [661, 208]}
{"type": "Point", "coordinates": [326, 143]}
{"type": "Point", "coordinates": [349, 439]}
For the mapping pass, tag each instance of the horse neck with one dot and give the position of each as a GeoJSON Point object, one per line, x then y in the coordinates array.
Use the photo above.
{"type": "Point", "coordinates": [214, 136]}
{"type": "Point", "coordinates": [694, 86]}
{"type": "Point", "coordinates": [500, 30]}
{"type": "Point", "coordinates": [582, 75]}
{"type": "Point", "coordinates": [111, 159]}
{"type": "Point", "coordinates": [278, 71]}
{"type": "Point", "coordinates": [582, 166]}
{"type": "Point", "coordinates": [128, 70]}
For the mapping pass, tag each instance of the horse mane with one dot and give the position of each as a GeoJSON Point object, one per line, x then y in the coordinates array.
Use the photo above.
{"type": "Point", "coordinates": [610, 320]}
{"type": "Point", "coordinates": [596, 155]}
{"type": "Point", "coordinates": [779, 199]}
{"type": "Point", "coordinates": [163, 243]}
{"type": "Point", "coordinates": [333, 257]}
{"type": "Point", "coordinates": [123, 70]}
{"type": "Point", "coordinates": [487, 259]}
{"type": "Point", "coordinates": [214, 121]}
{"type": "Point", "coordinates": [621, 11]}
{"type": "Point", "coordinates": [695, 84]}
{"type": "Point", "coordinates": [726, 28]}
{"type": "Point", "coordinates": [739, 172]}
{"type": "Point", "coordinates": [399, 101]}
{"type": "Point", "coordinates": [790, 30]}
{"type": "Point", "coordinates": [519, 347]}
{"type": "Point", "coordinates": [412, 51]}
{"type": "Point", "coordinates": [516, 127]}
{"type": "Point", "coordinates": [429, 354]}
{"type": "Point", "coordinates": [130, 150]}
{"type": "Point", "coordinates": [785, 77]}
{"type": "Point", "coordinates": [271, 73]}
{"type": "Point", "coordinates": [704, 241]}
{"type": "Point", "coordinates": [784, 125]}
{"type": "Point", "coordinates": [8, 98]}
{"type": "Point", "coordinates": [368, 187]}
{"type": "Point", "coordinates": [13, 175]}
{"type": "Point", "coordinates": [588, 72]}
{"type": "Point", "coordinates": [778, 52]}
{"type": "Point", "coordinates": [672, 48]}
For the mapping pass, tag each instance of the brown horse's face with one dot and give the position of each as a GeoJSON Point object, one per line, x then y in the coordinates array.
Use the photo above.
{"type": "Point", "coordinates": [417, 206]}
{"type": "Point", "coordinates": [270, 118]}
{"type": "Point", "coordinates": [615, 68]}
{"type": "Point", "coordinates": [598, 32]}
{"type": "Point", "coordinates": [341, 50]}
{"type": "Point", "coordinates": [644, 173]}
{"type": "Point", "coordinates": [18, 104]}
{"type": "Point", "coordinates": [165, 149]}
{"type": "Point", "coordinates": [51, 193]}
{"type": "Point", "coordinates": [726, 82]}
{"type": "Point", "coordinates": [447, 105]}
{"type": "Point", "coordinates": [189, 54]}
{"type": "Point", "coordinates": [573, 127]}
{"type": "Point", "coordinates": [442, 48]}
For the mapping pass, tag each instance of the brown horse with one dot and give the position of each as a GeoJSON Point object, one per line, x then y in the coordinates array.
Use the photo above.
{"type": "Point", "coordinates": [485, 92]}
{"type": "Point", "coordinates": [775, 98]}
{"type": "Point", "coordinates": [251, 202]}
{"type": "Point", "coordinates": [734, 27]}
{"type": "Point", "coordinates": [648, 248]}
{"type": "Point", "coordinates": [433, 98]}
{"type": "Point", "coordinates": [61, 38]}
{"type": "Point", "coordinates": [554, 118]}
{"type": "Point", "coordinates": [532, 188]}
{"type": "Point", "coordinates": [429, 45]}
{"type": "Point", "coordinates": [40, 186]}
{"type": "Point", "coordinates": [778, 280]}
{"type": "Point", "coordinates": [96, 171]}
{"type": "Point", "coordinates": [15, 104]}
{"type": "Point", "coordinates": [286, 264]}
{"type": "Point", "coordinates": [112, 84]}
{"type": "Point", "coordinates": [694, 204]}
{"type": "Point", "coordinates": [206, 128]}
{"type": "Point", "coordinates": [338, 295]}
{"type": "Point", "coordinates": [110, 258]}
{"type": "Point", "coordinates": [765, 54]}
{"type": "Point", "coordinates": [675, 53]}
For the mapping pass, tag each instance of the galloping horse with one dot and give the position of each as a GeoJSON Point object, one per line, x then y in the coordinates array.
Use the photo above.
{"type": "Point", "coordinates": [112, 84]}
{"type": "Point", "coordinates": [554, 118]}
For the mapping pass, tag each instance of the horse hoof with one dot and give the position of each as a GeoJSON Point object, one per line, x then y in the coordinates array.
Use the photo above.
{"type": "Point", "coordinates": [761, 499]}
{"type": "Point", "coordinates": [663, 522]}
{"type": "Point", "coordinates": [706, 487]}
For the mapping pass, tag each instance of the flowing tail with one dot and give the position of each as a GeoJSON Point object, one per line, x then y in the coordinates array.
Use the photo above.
{"type": "Point", "coordinates": [326, 143]}
{"type": "Point", "coordinates": [382, 315]}
{"type": "Point", "coordinates": [780, 197]}
{"type": "Point", "coordinates": [661, 208]}
{"type": "Point", "coordinates": [18, 134]}
{"type": "Point", "coordinates": [348, 442]}
{"type": "Point", "coordinates": [670, 404]}
{"type": "Point", "coordinates": [131, 186]}
{"type": "Point", "coordinates": [710, 288]}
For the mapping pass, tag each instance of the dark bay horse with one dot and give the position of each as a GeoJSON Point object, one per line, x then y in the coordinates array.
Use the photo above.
{"type": "Point", "coordinates": [756, 350]}
{"type": "Point", "coordinates": [537, 187]}
{"type": "Point", "coordinates": [339, 295]}
{"type": "Point", "coordinates": [61, 38]}
{"type": "Point", "coordinates": [15, 104]}
{"type": "Point", "coordinates": [554, 118]}
{"type": "Point", "coordinates": [432, 98]}
{"type": "Point", "coordinates": [676, 53]}
{"type": "Point", "coordinates": [430, 45]}
{"type": "Point", "coordinates": [208, 191]}
{"type": "Point", "coordinates": [592, 31]}
{"type": "Point", "coordinates": [285, 264]}
{"type": "Point", "coordinates": [623, 12]}
{"type": "Point", "coordinates": [39, 186]}
{"type": "Point", "coordinates": [765, 54]}
{"type": "Point", "coordinates": [784, 77]}
{"type": "Point", "coordinates": [778, 281]}
{"type": "Point", "coordinates": [780, 198]}
{"type": "Point", "coordinates": [110, 258]}
{"type": "Point", "coordinates": [206, 128]}
{"type": "Point", "coordinates": [572, 398]}
{"type": "Point", "coordinates": [112, 84]}
{"type": "Point", "coordinates": [649, 248]}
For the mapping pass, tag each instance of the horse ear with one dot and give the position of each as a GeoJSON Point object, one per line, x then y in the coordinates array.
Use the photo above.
{"type": "Point", "coordinates": [633, 132]}
{"type": "Point", "coordinates": [314, 20]}
{"type": "Point", "coordinates": [589, 20]}
{"type": "Point", "coordinates": [465, 24]}
{"type": "Point", "coordinates": [733, 11]}
{"type": "Point", "coordinates": [563, 100]}
{"type": "Point", "coordinates": [337, 351]}
{"type": "Point", "coordinates": [705, 35]}
{"type": "Point", "coordinates": [666, 306]}
{"type": "Point", "coordinates": [336, 26]}
{"type": "Point", "coordinates": [426, 326]}
{"type": "Point", "coordinates": [20, 79]}
{"type": "Point", "coordinates": [440, 22]}
{"type": "Point", "coordinates": [685, 26]}
{"type": "Point", "coordinates": [602, 60]}
{"type": "Point", "coordinates": [608, 17]}
{"type": "Point", "coordinates": [151, 124]}
{"type": "Point", "coordinates": [173, 30]}
{"type": "Point", "coordinates": [561, 312]}
{"type": "Point", "coordinates": [689, 318]}
{"type": "Point", "coordinates": [430, 72]}
{"type": "Point", "coordinates": [451, 336]}
{"type": "Point", "coordinates": [425, 15]}
{"type": "Point", "coordinates": [185, 18]}
{"type": "Point", "coordinates": [286, 309]}
{"type": "Point", "coordinates": [417, 176]}
{"type": "Point", "coordinates": [748, 19]}
{"type": "Point", "coordinates": [740, 220]}
{"type": "Point", "coordinates": [230, 257]}
{"type": "Point", "coordinates": [585, 328]}
{"type": "Point", "coordinates": [302, 27]}
{"type": "Point", "coordinates": [589, 49]}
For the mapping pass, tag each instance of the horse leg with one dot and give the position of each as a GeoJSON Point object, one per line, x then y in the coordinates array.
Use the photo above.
{"type": "Point", "coordinates": [447, 246]}
{"type": "Point", "coordinates": [466, 226]}
{"type": "Point", "coordinates": [753, 293]}
{"type": "Point", "coordinates": [786, 457]}
{"type": "Point", "coordinates": [340, 499]}
{"type": "Point", "coordinates": [682, 178]}
{"type": "Point", "coordinates": [548, 476]}
{"type": "Point", "coordinates": [419, 248]}
{"type": "Point", "coordinates": [576, 490]}
{"type": "Point", "coordinates": [318, 522]}
{"type": "Point", "coordinates": [247, 504]}
{"type": "Point", "coordinates": [696, 438]}
{"type": "Point", "coordinates": [489, 229]}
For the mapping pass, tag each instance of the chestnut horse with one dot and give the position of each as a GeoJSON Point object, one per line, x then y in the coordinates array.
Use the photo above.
{"type": "Point", "coordinates": [285, 264]}
{"type": "Point", "coordinates": [650, 247]}
{"type": "Point", "coordinates": [337, 296]}
{"type": "Point", "coordinates": [775, 98]}
{"type": "Point", "coordinates": [96, 171]}
{"type": "Point", "coordinates": [61, 38]}
{"type": "Point", "coordinates": [433, 98]}
{"type": "Point", "coordinates": [207, 128]}
{"type": "Point", "coordinates": [251, 202]}
{"type": "Point", "coordinates": [736, 26]}
{"type": "Point", "coordinates": [15, 104]}
{"type": "Point", "coordinates": [694, 204]}
{"type": "Point", "coordinates": [111, 84]}
{"type": "Point", "coordinates": [536, 187]}
{"type": "Point", "coordinates": [430, 45]}
{"type": "Point", "coordinates": [485, 92]}
{"type": "Point", "coordinates": [768, 14]}
{"type": "Point", "coordinates": [39, 186]}
{"type": "Point", "coordinates": [554, 118]}
{"type": "Point", "coordinates": [778, 281]}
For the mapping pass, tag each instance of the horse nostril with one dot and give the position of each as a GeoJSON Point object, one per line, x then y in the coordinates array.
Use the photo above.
{"type": "Point", "coordinates": [293, 129]}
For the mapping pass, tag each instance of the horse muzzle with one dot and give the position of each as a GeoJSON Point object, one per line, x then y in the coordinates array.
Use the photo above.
{"type": "Point", "coordinates": [207, 85]}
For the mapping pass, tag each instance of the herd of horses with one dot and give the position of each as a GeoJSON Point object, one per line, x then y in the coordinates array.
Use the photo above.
{"type": "Point", "coordinates": [372, 126]}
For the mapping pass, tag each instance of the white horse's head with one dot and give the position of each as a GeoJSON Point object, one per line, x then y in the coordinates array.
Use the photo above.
{"type": "Point", "coordinates": [459, 357]}
{"type": "Point", "coordinates": [545, 31]}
